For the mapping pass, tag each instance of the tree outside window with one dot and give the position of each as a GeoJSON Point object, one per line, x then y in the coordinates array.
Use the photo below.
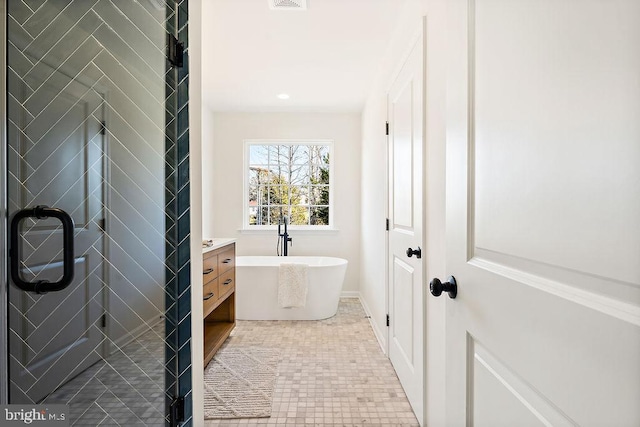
{"type": "Point", "coordinates": [289, 179]}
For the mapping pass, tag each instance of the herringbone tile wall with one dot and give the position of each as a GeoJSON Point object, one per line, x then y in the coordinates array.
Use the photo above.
{"type": "Point", "coordinates": [98, 126]}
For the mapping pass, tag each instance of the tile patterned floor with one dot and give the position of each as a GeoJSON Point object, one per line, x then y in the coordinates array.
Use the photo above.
{"type": "Point", "coordinates": [331, 372]}
{"type": "Point", "coordinates": [125, 389]}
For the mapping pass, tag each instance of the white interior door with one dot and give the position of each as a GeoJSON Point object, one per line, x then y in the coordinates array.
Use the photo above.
{"type": "Point", "coordinates": [405, 227]}
{"type": "Point", "coordinates": [54, 336]}
{"type": "Point", "coordinates": [543, 202]}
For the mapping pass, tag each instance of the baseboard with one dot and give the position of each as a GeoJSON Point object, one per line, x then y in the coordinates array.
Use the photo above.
{"type": "Point", "coordinates": [376, 330]}
{"type": "Point", "coordinates": [350, 294]}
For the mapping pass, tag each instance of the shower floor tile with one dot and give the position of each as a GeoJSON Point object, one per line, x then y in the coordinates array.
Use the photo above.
{"type": "Point", "coordinates": [126, 388]}
{"type": "Point", "coordinates": [331, 372]}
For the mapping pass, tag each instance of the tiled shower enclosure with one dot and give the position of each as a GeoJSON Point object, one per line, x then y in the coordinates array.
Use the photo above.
{"type": "Point", "coordinates": [97, 128]}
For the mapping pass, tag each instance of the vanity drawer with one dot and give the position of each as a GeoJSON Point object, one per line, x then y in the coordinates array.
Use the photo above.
{"type": "Point", "coordinates": [210, 295]}
{"type": "Point", "coordinates": [210, 268]}
{"type": "Point", "coordinates": [227, 282]}
{"type": "Point", "coordinates": [227, 259]}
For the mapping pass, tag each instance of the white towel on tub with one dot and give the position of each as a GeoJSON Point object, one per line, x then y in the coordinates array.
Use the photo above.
{"type": "Point", "coordinates": [292, 285]}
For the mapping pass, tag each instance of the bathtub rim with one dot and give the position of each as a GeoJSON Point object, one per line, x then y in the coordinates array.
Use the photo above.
{"type": "Point", "coordinates": [259, 261]}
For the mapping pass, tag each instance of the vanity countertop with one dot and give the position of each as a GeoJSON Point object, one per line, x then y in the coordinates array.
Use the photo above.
{"type": "Point", "coordinates": [217, 243]}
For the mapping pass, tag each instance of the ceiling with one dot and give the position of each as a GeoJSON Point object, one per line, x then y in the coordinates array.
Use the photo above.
{"type": "Point", "coordinates": [325, 58]}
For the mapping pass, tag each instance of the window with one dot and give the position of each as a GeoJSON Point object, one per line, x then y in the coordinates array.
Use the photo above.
{"type": "Point", "coordinates": [288, 179]}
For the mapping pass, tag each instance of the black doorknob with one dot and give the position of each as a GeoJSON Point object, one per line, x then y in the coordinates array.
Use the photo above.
{"type": "Point", "coordinates": [450, 286]}
{"type": "Point", "coordinates": [416, 252]}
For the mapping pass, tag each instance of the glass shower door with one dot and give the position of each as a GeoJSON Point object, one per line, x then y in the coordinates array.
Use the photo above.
{"type": "Point", "coordinates": [92, 158]}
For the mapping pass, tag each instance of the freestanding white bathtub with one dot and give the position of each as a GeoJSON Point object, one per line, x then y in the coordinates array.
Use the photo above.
{"type": "Point", "coordinates": [257, 288]}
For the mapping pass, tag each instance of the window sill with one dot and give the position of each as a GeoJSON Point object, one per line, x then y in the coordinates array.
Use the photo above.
{"type": "Point", "coordinates": [291, 231]}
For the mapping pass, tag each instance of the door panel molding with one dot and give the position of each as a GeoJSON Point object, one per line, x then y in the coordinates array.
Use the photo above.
{"type": "Point", "coordinates": [403, 275]}
{"type": "Point", "coordinates": [567, 289]}
{"type": "Point", "coordinates": [529, 402]}
{"type": "Point", "coordinates": [87, 129]}
{"type": "Point", "coordinates": [572, 281]}
{"type": "Point", "coordinates": [402, 180]}
{"type": "Point", "coordinates": [471, 129]}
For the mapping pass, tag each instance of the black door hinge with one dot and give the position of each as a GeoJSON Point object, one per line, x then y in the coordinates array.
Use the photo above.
{"type": "Point", "coordinates": [175, 51]}
{"type": "Point", "coordinates": [387, 128]}
{"type": "Point", "coordinates": [387, 320]}
{"type": "Point", "coordinates": [103, 320]}
{"type": "Point", "coordinates": [103, 128]}
{"type": "Point", "coordinates": [387, 224]}
{"type": "Point", "coordinates": [102, 224]}
{"type": "Point", "coordinates": [176, 411]}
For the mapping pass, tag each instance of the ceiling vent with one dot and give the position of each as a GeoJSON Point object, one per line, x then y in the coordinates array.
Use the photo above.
{"type": "Point", "coordinates": [288, 4]}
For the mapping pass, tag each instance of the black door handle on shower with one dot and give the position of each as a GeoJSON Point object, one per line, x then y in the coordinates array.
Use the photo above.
{"type": "Point", "coordinates": [42, 286]}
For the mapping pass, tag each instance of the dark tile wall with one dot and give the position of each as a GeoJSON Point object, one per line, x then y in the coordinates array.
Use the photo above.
{"type": "Point", "coordinates": [178, 218]}
{"type": "Point", "coordinates": [88, 80]}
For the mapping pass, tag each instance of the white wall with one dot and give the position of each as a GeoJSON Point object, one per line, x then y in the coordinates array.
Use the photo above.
{"type": "Point", "coordinates": [374, 183]}
{"type": "Point", "coordinates": [224, 195]}
{"type": "Point", "coordinates": [208, 204]}
{"type": "Point", "coordinates": [374, 172]}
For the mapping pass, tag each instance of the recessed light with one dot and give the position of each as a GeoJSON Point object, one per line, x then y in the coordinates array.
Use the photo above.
{"type": "Point", "coordinates": [283, 96]}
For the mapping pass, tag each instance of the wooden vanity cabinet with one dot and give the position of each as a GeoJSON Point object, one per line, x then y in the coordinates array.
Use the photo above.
{"type": "Point", "coordinates": [219, 278]}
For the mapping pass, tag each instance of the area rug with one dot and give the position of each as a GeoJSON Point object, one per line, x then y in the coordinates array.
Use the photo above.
{"type": "Point", "coordinates": [239, 383]}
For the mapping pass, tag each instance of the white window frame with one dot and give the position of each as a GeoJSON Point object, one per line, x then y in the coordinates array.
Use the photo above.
{"type": "Point", "coordinates": [245, 188]}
